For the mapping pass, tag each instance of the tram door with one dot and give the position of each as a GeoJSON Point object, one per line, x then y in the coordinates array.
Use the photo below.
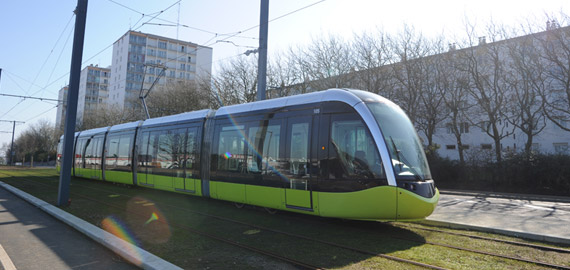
{"type": "Point", "coordinates": [185, 171]}
{"type": "Point", "coordinates": [298, 193]}
{"type": "Point", "coordinates": [145, 160]}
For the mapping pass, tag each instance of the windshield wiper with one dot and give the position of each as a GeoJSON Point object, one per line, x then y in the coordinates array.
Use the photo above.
{"type": "Point", "coordinates": [412, 170]}
{"type": "Point", "coordinates": [397, 152]}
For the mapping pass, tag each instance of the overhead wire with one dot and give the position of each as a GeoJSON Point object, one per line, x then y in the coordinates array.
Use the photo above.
{"type": "Point", "coordinates": [58, 58]}
{"type": "Point", "coordinates": [12, 108]}
{"type": "Point", "coordinates": [51, 51]}
{"type": "Point", "coordinates": [42, 113]}
{"type": "Point", "coordinates": [156, 14]}
{"type": "Point", "coordinates": [207, 44]}
{"type": "Point", "coordinates": [51, 74]}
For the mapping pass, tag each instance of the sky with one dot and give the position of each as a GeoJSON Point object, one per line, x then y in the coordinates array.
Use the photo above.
{"type": "Point", "coordinates": [36, 36]}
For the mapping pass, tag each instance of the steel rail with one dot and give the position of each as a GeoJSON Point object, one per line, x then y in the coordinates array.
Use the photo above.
{"type": "Point", "coordinates": [375, 254]}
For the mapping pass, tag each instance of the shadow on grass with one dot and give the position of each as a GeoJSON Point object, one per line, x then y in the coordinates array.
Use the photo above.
{"type": "Point", "coordinates": [183, 211]}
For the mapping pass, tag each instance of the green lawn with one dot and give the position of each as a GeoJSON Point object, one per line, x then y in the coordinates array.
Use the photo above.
{"type": "Point", "coordinates": [165, 224]}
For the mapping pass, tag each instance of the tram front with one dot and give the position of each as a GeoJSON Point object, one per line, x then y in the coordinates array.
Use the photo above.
{"type": "Point", "coordinates": [402, 151]}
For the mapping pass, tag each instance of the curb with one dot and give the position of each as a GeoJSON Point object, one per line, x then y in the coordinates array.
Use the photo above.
{"type": "Point", "coordinates": [126, 250]}
{"type": "Point", "coordinates": [519, 234]}
{"type": "Point", "coordinates": [531, 197]}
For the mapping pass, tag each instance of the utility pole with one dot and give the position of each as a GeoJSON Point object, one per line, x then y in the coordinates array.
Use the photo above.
{"type": "Point", "coordinates": [12, 152]}
{"type": "Point", "coordinates": [262, 60]}
{"type": "Point", "coordinates": [72, 95]}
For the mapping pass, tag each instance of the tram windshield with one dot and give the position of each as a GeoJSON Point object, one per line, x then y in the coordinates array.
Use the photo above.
{"type": "Point", "coordinates": [406, 151]}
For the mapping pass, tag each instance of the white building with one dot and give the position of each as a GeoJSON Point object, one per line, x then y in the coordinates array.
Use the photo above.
{"type": "Point", "coordinates": [93, 90]}
{"type": "Point", "coordinates": [139, 59]}
{"type": "Point", "coordinates": [61, 107]}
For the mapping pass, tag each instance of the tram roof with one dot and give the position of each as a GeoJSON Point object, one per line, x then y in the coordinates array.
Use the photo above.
{"type": "Point", "coordinates": [343, 95]}
{"type": "Point", "coordinates": [94, 131]}
{"type": "Point", "coordinates": [125, 126]}
{"type": "Point", "coordinates": [176, 118]}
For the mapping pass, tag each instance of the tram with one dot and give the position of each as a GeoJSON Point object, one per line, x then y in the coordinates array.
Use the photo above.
{"type": "Point", "coordinates": [337, 153]}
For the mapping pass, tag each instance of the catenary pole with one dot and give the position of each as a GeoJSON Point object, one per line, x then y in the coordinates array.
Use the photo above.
{"type": "Point", "coordinates": [72, 95]}
{"type": "Point", "coordinates": [12, 145]}
{"type": "Point", "coordinates": [262, 60]}
{"type": "Point", "coordinates": [12, 152]}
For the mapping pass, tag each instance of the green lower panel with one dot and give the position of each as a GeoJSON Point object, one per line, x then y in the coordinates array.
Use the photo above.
{"type": "Point", "coordinates": [119, 177]}
{"type": "Point", "coordinates": [91, 174]}
{"type": "Point", "coordinates": [191, 184]}
{"type": "Point", "coordinates": [412, 206]}
{"type": "Point", "coordinates": [162, 182]}
{"type": "Point", "coordinates": [298, 198]}
{"type": "Point", "coordinates": [179, 183]}
{"type": "Point", "coordinates": [378, 203]}
{"type": "Point", "coordinates": [229, 191]}
{"type": "Point", "coordinates": [265, 196]}
{"type": "Point", "coordinates": [79, 172]}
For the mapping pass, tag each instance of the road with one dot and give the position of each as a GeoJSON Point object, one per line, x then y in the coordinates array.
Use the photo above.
{"type": "Point", "coordinates": [522, 215]}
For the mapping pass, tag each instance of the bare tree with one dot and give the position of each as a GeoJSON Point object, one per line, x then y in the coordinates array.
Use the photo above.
{"type": "Point", "coordinates": [372, 54]}
{"type": "Point", "coordinates": [485, 65]}
{"type": "Point", "coordinates": [409, 74]}
{"type": "Point", "coordinates": [527, 84]}
{"type": "Point", "coordinates": [235, 82]}
{"type": "Point", "coordinates": [555, 48]}
{"type": "Point", "coordinates": [431, 99]}
{"type": "Point", "coordinates": [327, 61]}
{"type": "Point", "coordinates": [175, 98]}
{"type": "Point", "coordinates": [37, 142]}
{"type": "Point", "coordinates": [452, 85]}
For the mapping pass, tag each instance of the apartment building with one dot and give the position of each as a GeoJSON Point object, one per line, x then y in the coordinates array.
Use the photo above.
{"type": "Point", "coordinates": [140, 60]}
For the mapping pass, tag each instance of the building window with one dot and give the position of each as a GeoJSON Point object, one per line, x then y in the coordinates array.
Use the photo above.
{"type": "Point", "coordinates": [189, 59]}
{"type": "Point", "coordinates": [486, 146]}
{"type": "Point", "coordinates": [450, 146]}
{"type": "Point", "coordinates": [485, 126]}
{"type": "Point", "coordinates": [162, 44]}
{"type": "Point", "coordinates": [560, 148]}
{"type": "Point", "coordinates": [464, 127]}
{"type": "Point", "coordinates": [448, 127]}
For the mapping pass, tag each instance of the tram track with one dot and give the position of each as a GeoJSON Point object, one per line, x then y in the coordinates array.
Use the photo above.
{"type": "Point", "coordinates": [522, 244]}
{"type": "Point", "coordinates": [539, 263]}
{"type": "Point", "coordinates": [251, 248]}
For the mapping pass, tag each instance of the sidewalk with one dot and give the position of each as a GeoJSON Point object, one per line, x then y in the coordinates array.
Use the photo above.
{"type": "Point", "coordinates": [532, 197]}
{"type": "Point", "coordinates": [526, 216]}
{"type": "Point", "coordinates": [32, 239]}
{"type": "Point", "coordinates": [49, 237]}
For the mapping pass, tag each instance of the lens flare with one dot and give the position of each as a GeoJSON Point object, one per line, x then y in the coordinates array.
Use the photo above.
{"type": "Point", "coordinates": [152, 218]}
{"type": "Point", "coordinates": [147, 221]}
{"type": "Point", "coordinates": [227, 155]}
{"type": "Point", "coordinates": [116, 227]}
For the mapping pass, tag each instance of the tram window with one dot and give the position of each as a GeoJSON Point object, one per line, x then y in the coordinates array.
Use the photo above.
{"type": "Point", "coordinates": [263, 149]}
{"type": "Point", "coordinates": [191, 158]}
{"type": "Point", "coordinates": [299, 148]}
{"type": "Point", "coordinates": [97, 151]}
{"type": "Point", "coordinates": [124, 150]}
{"type": "Point", "coordinates": [79, 147]}
{"type": "Point", "coordinates": [88, 157]}
{"type": "Point", "coordinates": [231, 148]}
{"type": "Point", "coordinates": [152, 150]}
{"type": "Point", "coordinates": [118, 156]}
{"type": "Point", "coordinates": [353, 152]}
{"type": "Point", "coordinates": [112, 153]}
{"type": "Point", "coordinates": [171, 151]}
{"type": "Point", "coordinates": [297, 170]}
{"type": "Point", "coordinates": [144, 158]}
